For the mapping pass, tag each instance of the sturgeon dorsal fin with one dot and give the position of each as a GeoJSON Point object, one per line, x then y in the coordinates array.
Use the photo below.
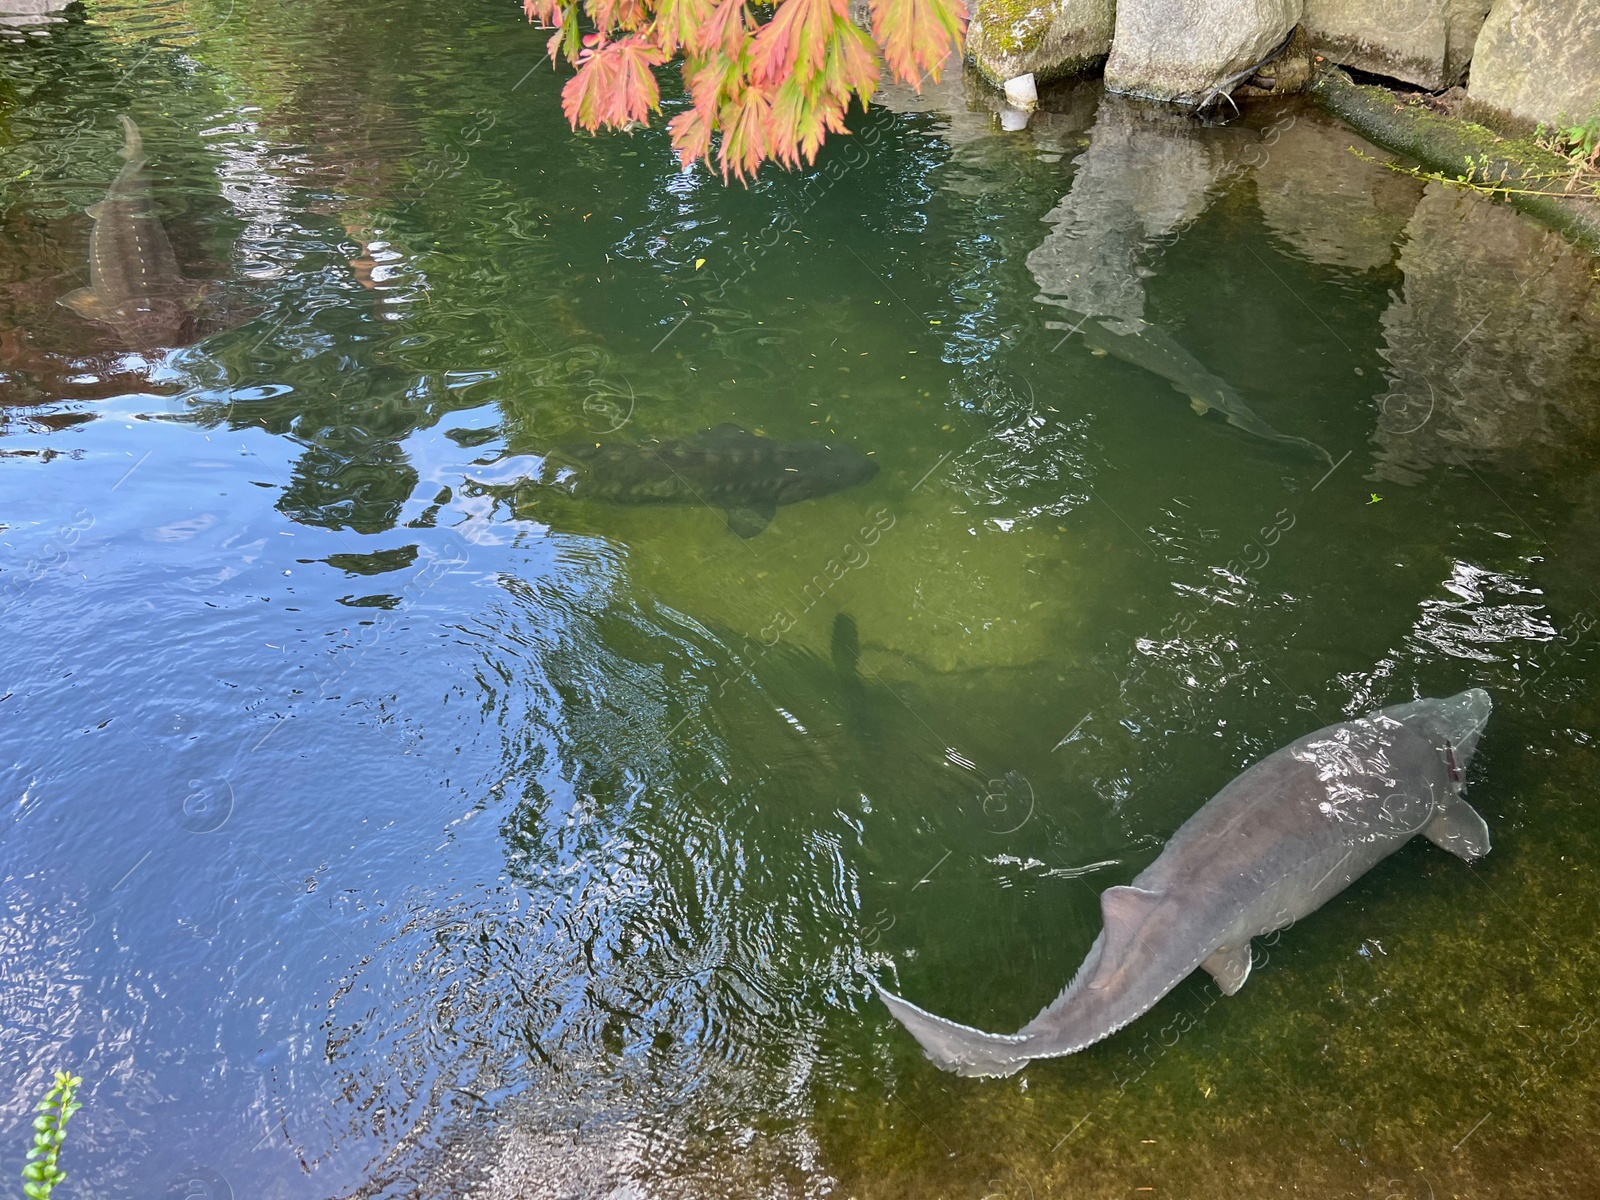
{"type": "Point", "coordinates": [132, 143]}
{"type": "Point", "coordinates": [1124, 910]}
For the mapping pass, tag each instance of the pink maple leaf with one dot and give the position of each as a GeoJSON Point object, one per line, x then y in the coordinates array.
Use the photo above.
{"type": "Point", "coordinates": [917, 36]}
{"type": "Point", "coordinates": [677, 23]}
{"type": "Point", "coordinates": [614, 83]}
{"type": "Point", "coordinates": [795, 41]}
{"type": "Point", "coordinates": [691, 136]}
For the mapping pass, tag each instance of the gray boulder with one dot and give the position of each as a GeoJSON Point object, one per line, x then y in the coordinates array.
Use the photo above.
{"type": "Point", "coordinates": [1537, 61]}
{"type": "Point", "coordinates": [1425, 42]}
{"type": "Point", "coordinates": [1184, 51]}
{"type": "Point", "coordinates": [1045, 38]}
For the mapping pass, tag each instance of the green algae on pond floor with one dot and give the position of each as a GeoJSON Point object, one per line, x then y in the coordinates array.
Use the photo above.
{"type": "Point", "coordinates": [930, 586]}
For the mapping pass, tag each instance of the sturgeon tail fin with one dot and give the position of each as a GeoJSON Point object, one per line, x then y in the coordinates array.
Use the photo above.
{"type": "Point", "coordinates": [132, 142]}
{"type": "Point", "coordinates": [960, 1048]}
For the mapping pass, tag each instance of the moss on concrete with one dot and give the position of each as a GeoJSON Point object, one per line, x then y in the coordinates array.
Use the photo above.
{"type": "Point", "coordinates": [1446, 144]}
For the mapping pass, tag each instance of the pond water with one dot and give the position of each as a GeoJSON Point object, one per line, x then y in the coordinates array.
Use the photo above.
{"type": "Point", "coordinates": [386, 817]}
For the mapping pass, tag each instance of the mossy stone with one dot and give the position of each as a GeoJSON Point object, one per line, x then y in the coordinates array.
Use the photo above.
{"type": "Point", "coordinates": [1050, 39]}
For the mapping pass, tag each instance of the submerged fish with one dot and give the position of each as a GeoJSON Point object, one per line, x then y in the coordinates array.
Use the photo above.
{"type": "Point", "coordinates": [1155, 351]}
{"type": "Point", "coordinates": [1277, 843]}
{"type": "Point", "coordinates": [725, 468]}
{"type": "Point", "coordinates": [134, 283]}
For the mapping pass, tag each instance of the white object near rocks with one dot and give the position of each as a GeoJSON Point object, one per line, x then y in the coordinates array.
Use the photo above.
{"type": "Point", "coordinates": [1537, 61]}
{"type": "Point", "coordinates": [1014, 120]}
{"type": "Point", "coordinates": [1182, 50]}
{"type": "Point", "coordinates": [1425, 42]}
{"type": "Point", "coordinates": [1022, 92]}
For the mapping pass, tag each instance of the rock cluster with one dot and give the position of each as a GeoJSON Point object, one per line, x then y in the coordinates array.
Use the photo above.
{"type": "Point", "coordinates": [1526, 61]}
{"type": "Point", "coordinates": [1537, 62]}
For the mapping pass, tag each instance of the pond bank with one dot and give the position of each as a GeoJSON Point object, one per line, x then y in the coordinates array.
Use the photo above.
{"type": "Point", "coordinates": [1519, 170]}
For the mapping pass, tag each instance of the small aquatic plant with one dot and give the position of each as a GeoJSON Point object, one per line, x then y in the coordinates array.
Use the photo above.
{"type": "Point", "coordinates": [1577, 142]}
{"type": "Point", "coordinates": [1500, 178]}
{"type": "Point", "coordinates": [49, 1130]}
{"type": "Point", "coordinates": [1575, 139]}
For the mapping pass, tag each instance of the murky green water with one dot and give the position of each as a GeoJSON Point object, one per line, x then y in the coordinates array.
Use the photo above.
{"type": "Point", "coordinates": [384, 819]}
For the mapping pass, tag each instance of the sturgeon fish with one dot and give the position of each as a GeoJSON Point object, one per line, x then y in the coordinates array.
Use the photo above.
{"type": "Point", "coordinates": [1275, 844]}
{"type": "Point", "coordinates": [134, 283]}
{"type": "Point", "coordinates": [725, 468]}
{"type": "Point", "coordinates": [1154, 350]}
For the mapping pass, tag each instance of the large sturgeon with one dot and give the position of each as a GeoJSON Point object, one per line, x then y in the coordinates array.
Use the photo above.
{"type": "Point", "coordinates": [1278, 842]}
{"type": "Point", "coordinates": [135, 286]}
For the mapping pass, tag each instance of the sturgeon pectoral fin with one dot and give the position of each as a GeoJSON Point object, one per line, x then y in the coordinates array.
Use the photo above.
{"type": "Point", "coordinates": [1459, 829]}
{"type": "Point", "coordinates": [1230, 967]}
{"type": "Point", "coordinates": [959, 1048]}
{"type": "Point", "coordinates": [95, 210]}
{"type": "Point", "coordinates": [87, 304]}
{"type": "Point", "coordinates": [747, 522]}
{"type": "Point", "coordinates": [1200, 407]}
